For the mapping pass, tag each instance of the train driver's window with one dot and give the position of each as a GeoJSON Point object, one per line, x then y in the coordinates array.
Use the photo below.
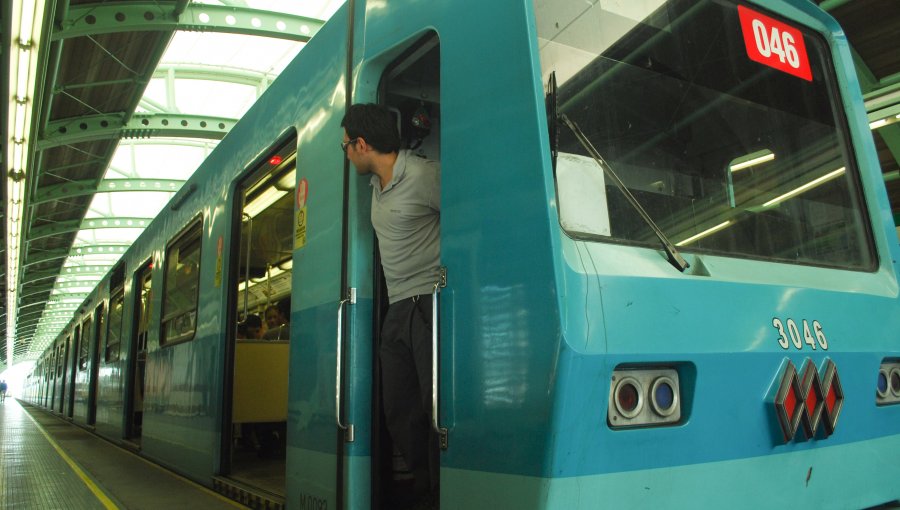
{"type": "Point", "coordinates": [181, 284]}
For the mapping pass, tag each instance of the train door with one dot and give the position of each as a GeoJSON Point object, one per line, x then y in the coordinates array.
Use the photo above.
{"type": "Point", "coordinates": [51, 379]}
{"type": "Point", "coordinates": [72, 355]}
{"type": "Point", "coordinates": [410, 87]}
{"type": "Point", "coordinates": [98, 334]}
{"type": "Point", "coordinates": [56, 378]}
{"type": "Point", "coordinates": [142, 310]}
{"type": "Point", "coordinates": [256, 403]}
{"type": "Point", "coordinates": [81, 388]}
{"type": "Point", "coordinates": [62, 354]}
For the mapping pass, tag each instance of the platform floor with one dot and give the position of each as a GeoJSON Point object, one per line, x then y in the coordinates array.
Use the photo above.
{"type": "Point", "coordinates": [48, 463]}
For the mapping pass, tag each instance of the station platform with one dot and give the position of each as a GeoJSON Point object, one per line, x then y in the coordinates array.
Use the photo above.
{"type": "Point", "coordinates": [48, 463]}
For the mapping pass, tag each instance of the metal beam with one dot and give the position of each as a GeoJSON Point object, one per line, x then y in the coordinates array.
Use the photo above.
{"type": "Point", "coordinates": [89, 270]}
{"type": "Point", "coordinates": [100, 18]}
{"type": "Point", "coordinates": [91, 187]}
{"type": "Point", "coordinates": [141, 125]}
{"type": "Point", "coordinates": [38, 276]}
{"type": "Point", "coordinates": [35, 289]}
{"type": "Point", "coordinates": [212, 73]}
{"type": "Point", "coordinates": [66, 227]}
{"type": "Point", "coordinates": [890, 135]}
{"type": "Point", "coordinates": [88, 249]}
{"type": "Point", "coordinates": [133, 82]}
{"type": "Point", "coordinates": [867, 79]}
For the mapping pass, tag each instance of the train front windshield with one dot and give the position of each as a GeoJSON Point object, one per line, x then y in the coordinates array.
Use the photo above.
{"type": "Point", "coordinates": [722, 120]}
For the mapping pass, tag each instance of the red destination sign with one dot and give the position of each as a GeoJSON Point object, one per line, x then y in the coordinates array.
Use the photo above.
{"type": "Point", "coordinates": [775, 44]}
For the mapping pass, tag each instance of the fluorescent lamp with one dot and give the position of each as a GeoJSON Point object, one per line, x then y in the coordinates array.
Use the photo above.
{"type": "Point", "coordinates": [20, 127]}
{"type": "Point", "coordinates": [753, 159]}
{"type": "Point", "coordinates": [287, 182]}
{"type": "Point", "coordinates": [18, 155]}
{"type": "Point", "coordinates": [705, 233]}
{"type": "Point", "coordinates": [26, 23]}
{"type": "Point", "coordinates": [808, 186]}
{"type": "Point", "coordinates": [263, 201]}
{"type": "Point", "coordinates": [22, 89]}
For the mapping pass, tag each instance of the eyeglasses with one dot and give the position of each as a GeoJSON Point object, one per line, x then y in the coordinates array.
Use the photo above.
{"type": "Point", "coordinates": [344, 145]}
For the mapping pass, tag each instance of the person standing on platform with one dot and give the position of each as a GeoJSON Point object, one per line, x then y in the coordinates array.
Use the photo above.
{"type": "Point", "coordinates": [406, 213]}
{"type": "Point", "coordinates": [3, 391]}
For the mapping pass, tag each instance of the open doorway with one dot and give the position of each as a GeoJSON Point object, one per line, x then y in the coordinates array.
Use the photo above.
{"type": "Point", "coordinates": [256, 426]}
{"type": "Point", "coordinates": [410, 87]}
{"type": "Point", "coordinates": [142, 309]}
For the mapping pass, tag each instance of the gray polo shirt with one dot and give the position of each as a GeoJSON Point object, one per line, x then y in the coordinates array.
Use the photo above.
{"type": "Point", "coordinates": [406, 216]}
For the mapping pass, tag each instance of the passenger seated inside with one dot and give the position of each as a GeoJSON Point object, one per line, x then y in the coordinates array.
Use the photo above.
{"type": "Point", "coordinates": [250, 328]}
{"type": "Point", "coordinates": [278, 320]}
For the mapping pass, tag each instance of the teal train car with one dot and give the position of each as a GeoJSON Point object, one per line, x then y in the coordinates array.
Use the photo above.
{"type": "Point", "coordinates": [671, 271]}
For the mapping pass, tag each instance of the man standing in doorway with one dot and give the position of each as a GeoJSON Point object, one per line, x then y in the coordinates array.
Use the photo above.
{"type": "Point", "coordinates": [406, 216]}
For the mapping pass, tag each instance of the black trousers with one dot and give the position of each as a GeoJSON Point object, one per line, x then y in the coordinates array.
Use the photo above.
{"type": "Point", "coordinates": [406, 382]}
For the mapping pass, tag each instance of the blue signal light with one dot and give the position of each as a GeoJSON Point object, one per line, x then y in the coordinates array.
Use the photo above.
{"type": "Point", "coordinates": [882, 383]}
{"type": "Point", "coordinates": [665, 395]}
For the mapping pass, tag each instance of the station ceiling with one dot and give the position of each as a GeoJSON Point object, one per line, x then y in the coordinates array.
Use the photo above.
{"type": "Point", "coordinates": [111, 107]}
{"type": "Point", "coordinates": [97, 89]}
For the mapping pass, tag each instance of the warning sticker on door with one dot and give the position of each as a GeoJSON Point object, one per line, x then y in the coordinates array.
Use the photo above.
{"type": "Point", "coordinates": [300, 229]}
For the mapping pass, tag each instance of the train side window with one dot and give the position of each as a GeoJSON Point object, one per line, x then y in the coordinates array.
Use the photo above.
{"type": "Point", "coordinates": [84, 344]}
{"type": "Point", "coordinates": [74, 345]}
{"type": "Point", "coordinates": [181, 285]}
{"type": "Point", "coordinates": [144, 305]}
{"type": "Point", "coordinates": [266, 237]}
{"type": "Point", "coordinates": [59, 357]}
{"type": "Point", "coordinates": [114, 334]}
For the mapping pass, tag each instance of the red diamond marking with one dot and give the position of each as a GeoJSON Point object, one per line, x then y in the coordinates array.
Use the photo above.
{"type": "Point", "coordinates": [811, 401]}
{"type": "Point", "coordinates": [830, 398]}
{"type": "Point", "coordinates": [790, 402]}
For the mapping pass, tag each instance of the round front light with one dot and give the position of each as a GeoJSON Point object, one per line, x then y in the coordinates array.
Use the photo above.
{"type": "Point", "coordinates": [628, 398]}
{"type": "Point", "coordinates": [882, 387]}
{"type": "Point", "coordinates": [663, 396]}
{"type": "Point", "coordinates": [895, 382]}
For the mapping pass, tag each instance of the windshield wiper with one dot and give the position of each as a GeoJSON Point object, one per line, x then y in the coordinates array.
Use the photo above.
{"type": "Point", "coordinates": [674, 257]}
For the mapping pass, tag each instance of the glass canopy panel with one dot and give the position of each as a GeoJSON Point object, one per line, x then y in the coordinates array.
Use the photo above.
{"type": "Point", "coordinates": [231, 51]}
{"type": "Point", "coordinates": [131, 204]}
{"type": "Point", "coordinates": [159, 158]}
{"type": "Point", "coordinates": [219, 99]}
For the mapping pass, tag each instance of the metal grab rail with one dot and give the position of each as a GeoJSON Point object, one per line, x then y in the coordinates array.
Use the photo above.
{"type": "Point", "coordinates": [435, 359]}
{"type": "Point", "coordinates": [249, 219]}
{"type": "Point", "coordinates": [338, 385]}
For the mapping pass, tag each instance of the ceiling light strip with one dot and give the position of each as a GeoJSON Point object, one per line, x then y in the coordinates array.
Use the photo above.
{"type": "Point", "coordinates": [26, 22]}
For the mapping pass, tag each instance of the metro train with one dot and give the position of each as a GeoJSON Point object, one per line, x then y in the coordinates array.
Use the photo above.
{"type": "Point", "coordinates": [670, 271]}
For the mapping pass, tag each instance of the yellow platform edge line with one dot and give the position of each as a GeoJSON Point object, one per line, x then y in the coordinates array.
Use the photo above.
{"type": "Point", "coordinates": [173, 474]}
{"type": "Point", "coordinates": [169, 472]}
{"type": "Point", "coordinates": [96, 490]}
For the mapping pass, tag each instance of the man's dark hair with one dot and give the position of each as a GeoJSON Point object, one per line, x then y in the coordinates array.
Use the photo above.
{"type": "Point", "coordinates": [375, 124]}
{"type": "Point", "coordinates": [253, 321]}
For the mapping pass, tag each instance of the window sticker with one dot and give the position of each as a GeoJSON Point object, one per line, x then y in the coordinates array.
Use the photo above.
{"type": "Point", "coordinates": [775, 44]}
